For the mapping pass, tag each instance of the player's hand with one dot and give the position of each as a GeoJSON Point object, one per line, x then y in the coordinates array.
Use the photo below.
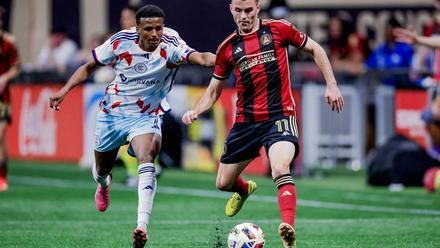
{"type": "Point", "coordinates": [333, 98]}
{"type": "Point", "coordinates": [189, 117]}
{"type": "Point", "coordinates": [56, 99]}
{"type": "Point", "coordinates": [405, 35]}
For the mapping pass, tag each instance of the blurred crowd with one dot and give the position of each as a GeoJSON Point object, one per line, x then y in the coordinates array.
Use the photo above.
{"type": "Point", "coordinates": [352, 54]}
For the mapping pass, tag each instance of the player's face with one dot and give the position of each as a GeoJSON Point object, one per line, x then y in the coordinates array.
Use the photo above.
{"type": "Point", "coordinates": [245, 14]}
{"type": "Point", "coordinates": [150, 32]}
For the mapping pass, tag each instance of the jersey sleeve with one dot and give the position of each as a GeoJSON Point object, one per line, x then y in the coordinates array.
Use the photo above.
{"type": "Point", "coordinates": [223, 66]}
{"type": "Point", "coordinates": [291, 34]}
{"type": "Point", "coordinates": [180, 50]}
{"type": "Point", "coordinates": [104, 54]}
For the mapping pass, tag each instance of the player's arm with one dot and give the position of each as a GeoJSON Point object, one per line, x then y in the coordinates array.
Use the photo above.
{"type": "Point", "coordinates": [411, 37]}
{"type": "Point", "coordinates": [204, 59]}
{"type": "Point", "coordinates": [208, 100]}
{"type": "Point", "coordinates": [333, 95]}
{"type": "Point", "coordinates": [81, 74]}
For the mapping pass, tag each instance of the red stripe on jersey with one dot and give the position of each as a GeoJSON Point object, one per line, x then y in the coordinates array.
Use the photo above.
{"type": "Point", "coordinates": [283, 65]}
{"type": "Point", "coordinates": [116, 44]}
{"type": "Point", "coordinates": [286, 90]}
{"type": "Point", "coordinates": [127, 56]}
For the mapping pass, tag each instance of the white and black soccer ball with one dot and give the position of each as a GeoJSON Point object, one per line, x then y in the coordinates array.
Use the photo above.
{"type": "Point", "coordinates": [246, 235]}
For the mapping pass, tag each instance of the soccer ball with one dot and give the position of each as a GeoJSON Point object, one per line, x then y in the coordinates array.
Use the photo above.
{"type": "Point", "coordinates": [246, 235]}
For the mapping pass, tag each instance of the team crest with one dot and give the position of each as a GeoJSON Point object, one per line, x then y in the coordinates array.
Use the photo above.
{"type": "Point", "coordinates": [266, 39]}
{"type": "Point", "coordinates": [140, 67]}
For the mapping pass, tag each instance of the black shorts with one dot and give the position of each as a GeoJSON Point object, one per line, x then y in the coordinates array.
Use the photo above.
{"type": "Point", "coordinates": [5, 112]}
{"type": "Point", "coordinates": [245, 139]}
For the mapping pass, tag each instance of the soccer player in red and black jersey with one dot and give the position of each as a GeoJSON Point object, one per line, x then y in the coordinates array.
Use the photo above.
{"type": "Point", "coordinates": [9, 69]}
{"type": "Point", "coordinates": [265, 115]}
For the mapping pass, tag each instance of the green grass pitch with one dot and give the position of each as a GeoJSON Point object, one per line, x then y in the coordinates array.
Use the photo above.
{"type": "Point", "coordinates": [52, 205]}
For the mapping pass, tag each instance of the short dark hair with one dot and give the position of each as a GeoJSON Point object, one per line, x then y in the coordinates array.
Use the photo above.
{"type": "Point", "coordinates": [149, 11]}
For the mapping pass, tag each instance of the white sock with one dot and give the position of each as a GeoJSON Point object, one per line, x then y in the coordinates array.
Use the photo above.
{"type": "Point", "coordinates": [104, 181]}
{"type": "Point", "coordinates": [146, 190]}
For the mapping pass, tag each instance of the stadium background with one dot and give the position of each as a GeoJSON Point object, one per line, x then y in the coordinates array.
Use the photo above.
{"type": "Point", "coordinates": [203, 28]}
{"type": "Point", "coordinates": [337, 211]}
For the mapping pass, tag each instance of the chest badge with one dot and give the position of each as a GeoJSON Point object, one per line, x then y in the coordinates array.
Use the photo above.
{"type": "Point", "coordinates": [266, 39]}
{"type": "Point", "coordinates": [140, 67]}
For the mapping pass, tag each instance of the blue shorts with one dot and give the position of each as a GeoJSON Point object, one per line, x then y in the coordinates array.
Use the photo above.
{"type": "Point", "coordinates": [111, 131]}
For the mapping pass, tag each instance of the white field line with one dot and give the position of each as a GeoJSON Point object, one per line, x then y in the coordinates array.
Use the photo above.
{"type": "Point", "coordinates": [390, 199]}
{"type": "Point", "coordinates": [64, 183]}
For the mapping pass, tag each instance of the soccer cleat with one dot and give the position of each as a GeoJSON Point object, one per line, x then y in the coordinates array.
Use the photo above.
{"type": "Point", "coordinates": [287, 234]}
{"type": "Point", "coordinates": [3, 184]}
{"type": "Point", "coordinates": [139, 238]}
{"type": "Point", "coordinates": [236, 201]}
{"type": "Point", "coordinates": [102, 196]}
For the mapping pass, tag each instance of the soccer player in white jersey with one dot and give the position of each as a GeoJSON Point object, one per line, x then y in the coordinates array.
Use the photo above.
{"type": "Point", "coordinates": [145, 62]}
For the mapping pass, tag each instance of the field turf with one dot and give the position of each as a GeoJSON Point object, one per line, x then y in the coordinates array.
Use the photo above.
{"type": "Point", "coordinates": [52, 205]}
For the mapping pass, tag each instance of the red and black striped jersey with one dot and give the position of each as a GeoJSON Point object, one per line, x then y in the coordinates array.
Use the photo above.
{"type": "Point", "coordinates": [261, 66]}
{"type": "Point", "coordinates": [8, 57]}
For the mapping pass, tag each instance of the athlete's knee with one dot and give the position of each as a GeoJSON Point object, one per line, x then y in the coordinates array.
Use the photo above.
{"type": "Point", "coordinates": [223, 185]}
{"type": "Point", "coordinates": [146, 157]}
{"type": "Point", "coordinates": [279, 170]}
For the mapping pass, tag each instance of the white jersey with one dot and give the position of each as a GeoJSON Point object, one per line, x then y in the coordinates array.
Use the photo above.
{"type": "Point", "coordinates": [143, 78]}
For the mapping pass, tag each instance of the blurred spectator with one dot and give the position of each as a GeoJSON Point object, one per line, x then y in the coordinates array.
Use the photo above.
{"type": "Point", "coordinates": [411, 37]}
{"type": "Point", "coordinates": [402, 162]}
{"type": "Point", "coordinates": [85, 54]}
{"type": "Point", "coordinates": [58, 53]}
{"type": "Point", "coordinates": [393, 58]}
{"type": "Point", "coordinates": [9, 69]}
{"type": "Point", "coordinates": [278, 9]}
{"type": "Point", "coordinates": [104, 74]}
{"type": "Point", "coordinates": [426, 63]}
{"type": "Point", "coordinates": [128, 16]}
{"type": "Point", "coordinates": [348, 49]}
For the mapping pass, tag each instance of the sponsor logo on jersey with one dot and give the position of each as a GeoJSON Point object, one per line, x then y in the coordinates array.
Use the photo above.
{"type": "Point", "coordinates": [250, 61]}
{"type": "Point", "coordinates": [147, 82]}
{"type": "Point", "coordinates": [140, 67]}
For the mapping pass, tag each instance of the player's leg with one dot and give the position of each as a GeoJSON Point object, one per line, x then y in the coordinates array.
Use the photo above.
{"type": "Point", "coordinates": [280, 156]}
{"type": "Point", "coordinates": [241, 147]}
{"type": "Point", "coordinates": [281, 145]}
{"type": "Point", "coordinates": [146, 147]}
{"type": "Point", "coordinates": [229, 179]}
{"type": "Point", "coordinates": [110, 134]}
{"type": "Point", "coordinates": [102, 175]}
{"type": "Point", "coordinates": [3, 157]}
